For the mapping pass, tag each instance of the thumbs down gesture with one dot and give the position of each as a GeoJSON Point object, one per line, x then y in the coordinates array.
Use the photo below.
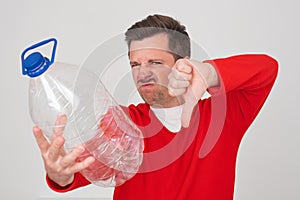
{"type": "Point", "coordinates": [189, 80]}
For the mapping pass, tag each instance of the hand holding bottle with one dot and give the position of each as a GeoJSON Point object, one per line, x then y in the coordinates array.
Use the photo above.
{"type": "Point", "coordinates": [60, 166]}
{"type": "Point", "coordinates": [97, 129]}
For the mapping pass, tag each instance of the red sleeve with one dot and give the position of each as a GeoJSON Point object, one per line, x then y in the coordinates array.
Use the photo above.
{"type": "Point", "coordinates": [246, 80]}
{"type": "Point", "coordinates": [79, 181]}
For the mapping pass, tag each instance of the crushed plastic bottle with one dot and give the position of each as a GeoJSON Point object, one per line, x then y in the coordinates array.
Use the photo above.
{"type": "Point", "coordinates": [93, 117]}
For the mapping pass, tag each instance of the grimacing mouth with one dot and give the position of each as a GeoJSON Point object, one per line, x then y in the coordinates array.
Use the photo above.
{"type": "Point", "coordinates": [147, 81]}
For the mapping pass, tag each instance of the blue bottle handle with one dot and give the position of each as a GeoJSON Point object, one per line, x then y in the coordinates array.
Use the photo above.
{"type": "Point", "coordinates": [50, 62]}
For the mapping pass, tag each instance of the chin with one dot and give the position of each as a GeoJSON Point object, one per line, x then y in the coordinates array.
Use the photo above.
{"type": "Point", "coordinates": [148, 101]}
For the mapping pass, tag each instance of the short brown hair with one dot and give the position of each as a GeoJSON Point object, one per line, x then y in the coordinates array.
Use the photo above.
{"type": "Point", "coordinates": [179, 41]}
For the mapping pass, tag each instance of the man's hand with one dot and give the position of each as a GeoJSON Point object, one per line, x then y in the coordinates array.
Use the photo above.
{"type": "Point", "coordinates": [60, 166]}
{"type": "Point", "coordinates": [190, 79]}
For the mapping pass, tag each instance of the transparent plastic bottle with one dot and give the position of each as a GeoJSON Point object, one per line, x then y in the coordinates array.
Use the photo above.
{"type": "Point", "coordinates": [93, 117]}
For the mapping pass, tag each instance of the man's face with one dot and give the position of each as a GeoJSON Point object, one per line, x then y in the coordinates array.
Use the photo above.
{"type": "Point", "coordinates": [151, 64]}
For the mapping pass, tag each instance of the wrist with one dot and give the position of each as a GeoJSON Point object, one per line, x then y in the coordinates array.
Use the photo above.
{"type": "Point", "coordinates": [212, 77]}
{"type": "Point", "coordinates": [61, 183]}
{"type": "Point", "coordinates": [208, 73]}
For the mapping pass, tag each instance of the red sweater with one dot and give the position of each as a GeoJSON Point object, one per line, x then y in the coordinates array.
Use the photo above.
{"type": "Point", "coordinates": [198, 162]}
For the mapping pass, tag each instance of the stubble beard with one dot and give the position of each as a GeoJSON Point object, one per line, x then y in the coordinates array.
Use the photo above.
{"type": "Point", "coordinates": [158, 97]}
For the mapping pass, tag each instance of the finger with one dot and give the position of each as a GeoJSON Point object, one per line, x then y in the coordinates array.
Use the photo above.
{"type": "Point", "coordinates": [178, 84]}
{"type": "Point", "coordinates": [82, 165]}
{"type": "Point", "coordinates": [56, 148]}
{"type": "Point", "coordinates": [176, 92]}
{"type": "Point", "coordinates": [187, 112]}
{"type": "Point", "coordinates": [188, 107]}
{"type": "Point", "coordinates": [60, 124]}
{"type": "Point", "coordinates": [181, 75]}
{"type": "Point", "coordinates": [70, 158]}
{"type": "Point", "coordinates": [40, 139]}
{"type": "Point", "coordinates": [183, 65]}
{"type": "Point", "coordinates": [177, 87]}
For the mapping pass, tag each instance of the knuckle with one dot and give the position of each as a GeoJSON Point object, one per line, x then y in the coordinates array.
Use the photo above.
{"type": "Point", "coordinates": [43, 146]}
{"type": "Point", "coordinates": [180, 61]}
{"type": "Point", "coordinates": [181, 84]}
{"type": "Point", "coordinates": [177, 92]}
{"type": "Point", "coordinates": [77, 167]}
{"type": "Point", "coordinates": [180, 66]}
{"type": "Point", "coordinates": [64, 162]}
{"type": "Point", "coordinates": [186, 83]}
{"type": "Point", "coordinates": [173, 72]}
{"type": "Point", "coordinates": [76, 153]}
{"type": "Point", "coordinates": [50, 155]}
{"type": "Point", "coordinates": [58, 167]}
{"type": "Point", "coordinates": [177, 75]}
{"type": "Point", "coordinates": [174, 84]}
{"type": "Point", "coordinates": [170, 84]}
{"type": "Point", "coordinates": [67, 171]}
{"type": "Point", "coordinates": [171, 76]}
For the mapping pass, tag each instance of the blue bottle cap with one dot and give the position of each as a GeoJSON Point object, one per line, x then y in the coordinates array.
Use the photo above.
{"type": "Point", "coordinates": [36, 64]}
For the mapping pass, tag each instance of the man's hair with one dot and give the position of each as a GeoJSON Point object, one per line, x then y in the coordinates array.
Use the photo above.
{"type": "Point", "coordinates": [179, 41]}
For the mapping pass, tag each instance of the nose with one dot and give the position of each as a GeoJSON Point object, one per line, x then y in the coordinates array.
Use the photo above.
{"type": "Point", "coordinates": [144, 72]}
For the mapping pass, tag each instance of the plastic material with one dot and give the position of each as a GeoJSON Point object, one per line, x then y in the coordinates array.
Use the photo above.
{"type": "Point", "coordinates": [93, 119]}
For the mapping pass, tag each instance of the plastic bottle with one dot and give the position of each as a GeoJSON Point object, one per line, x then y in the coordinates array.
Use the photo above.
{"type": "Point", "coordinates": [93, 117]}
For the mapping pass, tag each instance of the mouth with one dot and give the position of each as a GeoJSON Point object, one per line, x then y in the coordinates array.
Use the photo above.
{"type": "Point", "coordinates": [146, 87]}
{"type": "Point", "coordinates": [146, 83]}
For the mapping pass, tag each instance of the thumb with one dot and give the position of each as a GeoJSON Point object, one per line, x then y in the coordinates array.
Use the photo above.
{"type": "Point", "coordinates": [187, 112]}
{"type": "Point", "coordinates": [193, 94]}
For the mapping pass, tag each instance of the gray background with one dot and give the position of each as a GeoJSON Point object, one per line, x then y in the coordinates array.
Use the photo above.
{"type": "Point", "coordinates": [268, 161]}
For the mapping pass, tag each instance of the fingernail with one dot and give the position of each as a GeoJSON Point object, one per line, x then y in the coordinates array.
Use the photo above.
{"type": "Point", "coordinates": [58, 142]}
{"type": "Point", "coordinates": [80, 148]}
{"type": "Point", "coordinates": [90, 160]}
{"type": "Point", "coordinates": [63, 119]}
{"type": "Point", "coordinates": [62, 115]}
{"type": "Point", "coordinates": [35, 128]}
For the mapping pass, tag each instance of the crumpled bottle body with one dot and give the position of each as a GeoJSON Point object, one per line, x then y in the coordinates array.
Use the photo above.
{"type": "Point", "coordinates": [94, 120]}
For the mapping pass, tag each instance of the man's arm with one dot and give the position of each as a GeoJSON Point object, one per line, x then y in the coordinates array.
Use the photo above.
{"type": "Point", "coordinates": [246, 75]}
{"type": "Point", "coordinates": [246, 80]}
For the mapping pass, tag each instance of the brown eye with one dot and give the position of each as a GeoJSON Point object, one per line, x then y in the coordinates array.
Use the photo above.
{"type": "Point", "coordinates": [156, 63]}
{"type": "Point", "coordinates": [134, 65]}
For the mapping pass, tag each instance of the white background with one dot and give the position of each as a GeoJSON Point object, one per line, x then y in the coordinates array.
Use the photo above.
{"type": "Point", "coordinates": [269, 157]}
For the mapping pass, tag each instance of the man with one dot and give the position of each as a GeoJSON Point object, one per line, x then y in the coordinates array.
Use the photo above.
{"type": "Point", "coordinates": [175, 122]}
